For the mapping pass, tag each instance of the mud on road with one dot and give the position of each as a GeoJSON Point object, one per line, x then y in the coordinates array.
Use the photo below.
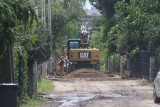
{"type": "Point", "coordinates": [90, 88]}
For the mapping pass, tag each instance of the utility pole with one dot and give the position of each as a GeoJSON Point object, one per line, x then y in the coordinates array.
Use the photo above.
{"type": "Point", "coordinates": [50, 32]}
{"type": "Point", "coordinates": [43, 13]}
{"type": "Point", "coordinates": [49, 21]}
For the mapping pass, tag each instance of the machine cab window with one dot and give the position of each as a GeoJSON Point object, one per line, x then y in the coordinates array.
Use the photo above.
{"type": "Point", "coordinates": [74, 45]}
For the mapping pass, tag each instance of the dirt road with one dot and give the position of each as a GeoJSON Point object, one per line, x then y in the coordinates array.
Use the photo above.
{"type": "Point", "coordinates": [89, 88]}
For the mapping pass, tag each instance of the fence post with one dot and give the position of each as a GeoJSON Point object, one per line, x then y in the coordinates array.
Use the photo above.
{"type": "Point", "coordinates": [107, 65]}
{"type": "Point", "coordinates": [151, 68]}
{"type": "Point", "coordinates": [50, 71]}
{"type": "Point", "coordinates": [128, 71]}
{"type": "Point", "coordinates": [121, 65]}
{"type": "Point", "coordinates": [35, 79]}
{"type": "Point", "coordinates": [44, 69]}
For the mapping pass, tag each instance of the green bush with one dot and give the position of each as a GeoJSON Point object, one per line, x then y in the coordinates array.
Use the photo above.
{"type": "Point", "coordinates": [114, 62]}
{"type": "Point", "coordinates": [20, 57]}
{"type": "Point", "coordinates": [103, 67]}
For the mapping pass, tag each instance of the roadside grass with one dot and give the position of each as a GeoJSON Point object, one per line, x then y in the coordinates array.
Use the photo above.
{"type": "Point", "coordinates": [33, 102]}
{"type": "Point", "coordinates": [44, 85]}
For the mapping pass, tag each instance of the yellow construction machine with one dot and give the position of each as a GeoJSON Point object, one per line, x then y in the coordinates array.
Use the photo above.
{"type": "Point", "coordinates": [80, 55]}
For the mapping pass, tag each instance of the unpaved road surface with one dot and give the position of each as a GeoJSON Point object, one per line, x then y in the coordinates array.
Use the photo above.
{"type": "Point", "coordinates": [89, 88]}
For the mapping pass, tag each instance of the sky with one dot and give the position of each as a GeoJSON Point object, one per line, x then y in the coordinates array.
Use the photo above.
{"type": "Point", "coordinates": [87, 5]}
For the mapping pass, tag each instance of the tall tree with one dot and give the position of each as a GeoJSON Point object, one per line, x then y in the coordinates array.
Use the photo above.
{"type": "Point", "coordinates": [13, 13]}
{"type": "Point", "coordinates": [64, 15]}
{"type": "Point", "coordinates": [136, 26]}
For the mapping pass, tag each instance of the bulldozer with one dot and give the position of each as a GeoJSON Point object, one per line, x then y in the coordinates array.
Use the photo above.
{"type": "Point", "coordinates": [79, 54]}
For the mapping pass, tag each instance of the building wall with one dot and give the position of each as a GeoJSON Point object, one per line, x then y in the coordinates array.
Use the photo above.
{"type": "Point", "coordinates": [92, 12]}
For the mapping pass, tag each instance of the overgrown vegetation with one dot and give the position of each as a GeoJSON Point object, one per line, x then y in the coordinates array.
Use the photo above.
{"type": "Point", "coordinates": [16, 17]}
{"type": "Point", "coordinates": [21, 71]}
{"type": "Point", "coordinates": [22, 30]}
{"type": "Point", "coordinates": [130, 26]}
{"type": "Point", "coordinates": [65, 21]}
{"type": "Point", "coordinates": [44, 85]}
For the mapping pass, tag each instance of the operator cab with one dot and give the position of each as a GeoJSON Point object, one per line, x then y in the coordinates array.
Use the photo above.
{"type": "Point", "coordinates": [73, 43]}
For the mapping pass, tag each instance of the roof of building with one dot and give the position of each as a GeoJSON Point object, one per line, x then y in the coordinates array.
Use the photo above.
{"type": "Point", "coordinates": [92, 12]}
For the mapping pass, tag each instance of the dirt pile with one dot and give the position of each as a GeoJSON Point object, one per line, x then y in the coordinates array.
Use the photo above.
{"type": "Point", "coordinates": [86, 73]}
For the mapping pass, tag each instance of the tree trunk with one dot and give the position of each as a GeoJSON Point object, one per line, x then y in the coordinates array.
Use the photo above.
{"type": "Point", "coordinates": [6, 67]}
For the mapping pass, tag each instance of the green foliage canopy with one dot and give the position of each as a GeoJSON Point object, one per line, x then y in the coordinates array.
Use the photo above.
{"type": "Point", "coordinates": [130, 25]}
{"type": "Point", "coordinates": [65, 21]}
{"type": "Point", "coordinates": [136, 26]}
{"type": "Point", "coordinates": [12, 14]}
